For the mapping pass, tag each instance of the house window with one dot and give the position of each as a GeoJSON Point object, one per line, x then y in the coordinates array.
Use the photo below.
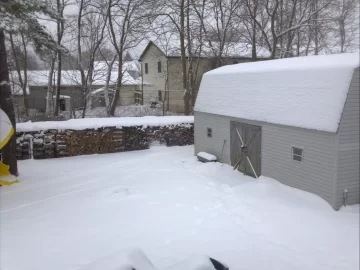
{"type": "Point", "coordinates": [209, 132]}
{"type": "Point", "coordinates": [160, 95]}
{"type": "Point", "coordinates": [146, 68]}
{"type": "Point", "coordinates": [62, 105]}
{"type": "Point", "coordinates": [297, 154]}
{"type": "Point", "coordinates": [159, 67]}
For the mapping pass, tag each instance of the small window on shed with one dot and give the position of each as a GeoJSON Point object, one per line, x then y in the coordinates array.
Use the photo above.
{"type": "Point", "coordinates": [146, 68]}
{"type": "Point", "coordinates": [209, 132]}
{"type": "Point", "coordinates": [297, 154]}
{"type": "Point", "coordinates": [159, 67]}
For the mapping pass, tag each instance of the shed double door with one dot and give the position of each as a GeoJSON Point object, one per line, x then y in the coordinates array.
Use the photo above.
{"type": "Point", "coordinates": [245, 146]}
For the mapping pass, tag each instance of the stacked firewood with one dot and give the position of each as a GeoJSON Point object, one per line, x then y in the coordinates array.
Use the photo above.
{"type": "Point", "coordinates": [134, 138]}
{"type": "Point", "coordinates": [49, 143]}
{"type": "Point", "coordinates": [179, 136]}
{"type": "Point", "coordinates": [60, 144]}
{"type": "Point", "coordinates": [38, 146]}
{"type": "Point", "coordinates": [56, 143]}
{"type": "Point", "coordinates": [155, 134]}
{"type": "Point", "coordinates": [118, 135]}
{"type": "Point", "coordinates": [89, 141]}
{"type": "Point", "coordinates": [23, 146]}
{"type": "Point", "coordinates": [174, 135]}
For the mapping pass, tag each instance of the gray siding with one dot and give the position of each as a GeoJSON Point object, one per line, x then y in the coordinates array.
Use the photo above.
{"type": "Point", "coordinates": [315, 174]}
{"type": "Point", "coordinates": [220, 131]}
{"type": "Point", "coordinates": [37, 96]}
{"type": "Point", "coordinates": [348, 160]}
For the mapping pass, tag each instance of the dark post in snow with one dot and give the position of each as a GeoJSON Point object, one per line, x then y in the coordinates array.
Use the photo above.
{"type": "Point", "coordinates": [9, 150]}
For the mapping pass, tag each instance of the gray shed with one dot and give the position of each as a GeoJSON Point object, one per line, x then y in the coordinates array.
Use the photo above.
{"type": "Point", "coordinates": [295, 120]}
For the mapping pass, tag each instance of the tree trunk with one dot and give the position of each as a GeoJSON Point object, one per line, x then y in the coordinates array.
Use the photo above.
{"type": "Point", "coordinates": [183, 58]}
{"type": "Point", "coordinates": [190, 72]}
{"type": "Point", "coordinates": [58, 85]}
{"type": "Point", "coordinates": [26, 103]}
{"type": "Point", "coordinates": [107, 82]}
{"type": "Point", "coordinates": [118, 87]}
{"type": "Point", "coordinates": [316, 36]}
{"type": "Point", "coordinates": [22, 81]}
{"type": "Point", "coordinates": [253, 38]}
{"type": "Point", "coordinates": [290, 35]}
{"type": "Point", "coordinates": [274, 48]}
{"type": "Point", "coordinates": [49, 94]}
{"type": "Point", "coordinates": [60, 31]}
{"type": "Point", "coordinates": [9, 150]}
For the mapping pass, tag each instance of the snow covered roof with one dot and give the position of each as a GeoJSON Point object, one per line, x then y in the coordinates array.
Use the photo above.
{"type": "Point", "coordinates": [307, 92]}
{"type": "Point", "coordinates": [63, 96]}
{"type": "Point", "coordinates": [171, 48]}
{"type": "Point", "coordinates": [72, 77]}
{"type": "Point", "coordinates": [101, 90]}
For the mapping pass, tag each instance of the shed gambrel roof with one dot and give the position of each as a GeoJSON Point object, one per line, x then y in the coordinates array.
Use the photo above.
{"type": "Point", "coordinates": [307, 92]}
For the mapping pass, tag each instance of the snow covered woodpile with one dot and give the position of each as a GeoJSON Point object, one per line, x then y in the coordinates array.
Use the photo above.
{"type": "Point", "coordinates": [172, 135]}
{"type": "Point", "coordinates": [97, 138]}
{"type": "Point", "coordinates": [295, 120]}
{"type": "Point", "coordinates": [23, 147]}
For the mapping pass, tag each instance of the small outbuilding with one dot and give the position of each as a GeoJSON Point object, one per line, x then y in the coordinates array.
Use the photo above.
{"type": "Point", "coordinates": [295, 120]}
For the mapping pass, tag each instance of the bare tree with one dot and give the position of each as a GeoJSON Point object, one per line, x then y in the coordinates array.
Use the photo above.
{"type": "Point", "coordinates": [345, 26]}
{"type": "Point", "coordinates": [91, 22]}
{"type": "Point", "coordinates": [110, 65]}
{"type": "Point", "coordinates": [296, 19]}
{"type": "Point", "coordinates": [127, 23]}
{"type": "Point", "coordinates": [19, 16]}
{"type": "Point", "coordinates": [60, 6]}
{"type": "Point", "coordinates": [50, 88]}
{"type": "Point", "coordinates": [20, 58]}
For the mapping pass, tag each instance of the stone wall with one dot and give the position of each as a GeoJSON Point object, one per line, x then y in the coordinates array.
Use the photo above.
{"type": "Point", "coordinates": [64, 143]}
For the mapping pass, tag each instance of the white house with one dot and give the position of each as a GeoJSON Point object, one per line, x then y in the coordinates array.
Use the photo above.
{"type": "Point", "coordinates": [295, 120]}
{"type": "Point", "coordinates": [162, 68]}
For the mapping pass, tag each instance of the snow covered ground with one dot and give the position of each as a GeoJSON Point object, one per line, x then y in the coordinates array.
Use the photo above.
{"type": "Point", "coordinates": [68, 213]}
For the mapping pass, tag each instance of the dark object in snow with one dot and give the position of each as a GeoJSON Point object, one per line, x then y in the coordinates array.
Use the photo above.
{"type": "Point", "coordinates": [218, 265]}
{"type": "Point", "coordinates": [206, 157]}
